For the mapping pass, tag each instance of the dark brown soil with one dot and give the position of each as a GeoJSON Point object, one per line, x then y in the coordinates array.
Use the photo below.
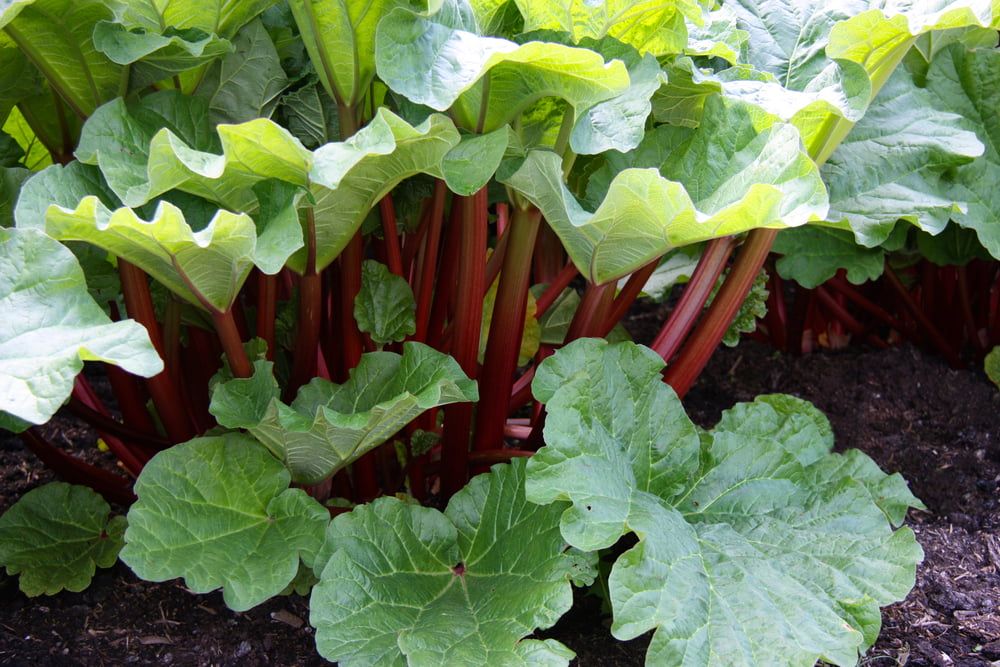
{"type": "Point", "coordinates": [908, 411]}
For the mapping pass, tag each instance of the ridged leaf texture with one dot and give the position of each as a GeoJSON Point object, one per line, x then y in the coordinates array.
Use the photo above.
{"type": "Point", "coordinates": [756, 544]}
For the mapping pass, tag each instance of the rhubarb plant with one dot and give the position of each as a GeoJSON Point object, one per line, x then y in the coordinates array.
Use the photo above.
{"type": "Point", "coordinates": [756, 543]}
{"type": "Point", "coordinates": [323, 252]}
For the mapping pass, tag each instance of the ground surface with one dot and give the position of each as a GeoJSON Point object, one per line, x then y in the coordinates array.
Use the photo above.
{"type": "Point", "coordinates": [940, 428]}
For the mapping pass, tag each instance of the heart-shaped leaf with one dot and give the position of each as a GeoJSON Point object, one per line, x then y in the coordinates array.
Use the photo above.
{"type": "Point", "coordinates": [56, 536]}
{"type": "Point", "coordinates": [218, 511]}
{"type": "Point", "coordinates": [871, 190]}
{"type": "Point", "coordinates": [384, 308]}
{"type": "Point", "coordinates": [756, 544]}
{"type": "Point", "coordinates": [462, 587]}
{"type": "Point", "coordinates": [328, 426]}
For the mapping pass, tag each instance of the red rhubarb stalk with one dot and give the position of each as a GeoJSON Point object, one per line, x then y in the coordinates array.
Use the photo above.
{"type": "Point", "coordinates": [712, 327]}
{"type": "Point", "coordinates": [506, 329]}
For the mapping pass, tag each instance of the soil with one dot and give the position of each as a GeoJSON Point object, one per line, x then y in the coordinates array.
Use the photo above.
{"type": "Point", "coordinates": [909, 411]}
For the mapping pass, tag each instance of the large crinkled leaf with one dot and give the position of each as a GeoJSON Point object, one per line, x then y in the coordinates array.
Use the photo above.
{"type": "Point", "coordinates": [346, 179]}
{"type": "Point", "coordinates": [328, 426]}
{"type": "Point", "coordinates": [718, 36]}
{"type": "Point", "coordinates": [384, 308]}
{"type": "Point", "coordinates": [166, 141]}
{"type": "Point", "coordinates": [756, 544]}
{"type": "Point", "coordinates": [51, 326]}
{"type": "Point", "coordinates": [410, 585]}
{"type": "Point", "coordinates": [620, 123]}
{"type": "Point", "coordinates": [218, 511]}
{"type": "Point", "coordinates": [246, 83]}
{"type": "Point", "coordinates": [440, 61]}
{"type": "Point", "coordinates": [812, 255]}
{"type": "Point", "coordinates": [680, 187]}
{"type": "Point", "coordinates": [118, 135]}
{"type": "Point", "coordinates": [60, 186]}
{"type": "Point", "coordinates": [827, 58]}
{"type": "Point", "coordinates": [652, 26]}
{"type": "Point", "coordinates": [787, 41]}
{"type": "Point", "coordinates": [311, 116]}
{"type": "Point", "coordinates": [349, 178]}
{"type": "Point", "coordinates": [967, 83]}
{"type": "Point", "coordinates": [155, 56]}
{"type": "Point", "coordinates": [340, 39]}
{"type": "Point", "coordinates": [56, 37]}
{"type": "Point", "coordinates": [206, 268]}
{"type": "Point", "coordinates": [221, 17]}
{"type": "Point", "coordinates": [894, 163]}
{"type": "Point", "coordinates": [56, 536]}
{"type": "Point", "coordinates": [878, 38]}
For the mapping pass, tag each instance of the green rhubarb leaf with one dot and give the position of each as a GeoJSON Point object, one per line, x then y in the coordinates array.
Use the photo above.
{"type": "Point", "coordinates": [349, 178]}
{"type": "Point", "coordinates": [346, 179]}
{"type": "Point", "coordinates": [795, 79]}
{"type": "Point", "coordinates": [652, 26]}
{"type": "Point", "coordinates": [753, 308]}
{"type": "Point", "coordinates": [155, 56]}
{"type": "Point", "coordinates": [57, 327]}
{"type": "Point", "coordinates": [279, 234]}
{"type": "Point", "coordinates": [206, 268]}
{"type": "Point", "coordinates": [18, 77]}
{"type": "Point", "coordinates": [36, 155]}
{"type": "Point", "coordinates": [340, 40]}
{"type": "Point", "coordinates": [470, 165]}
{"type": "Point", "coordinates": [328, 426]}
{"type": "Point", "coordinates": [872, 187]}
{"type": "Point", "coordinates": [410, 585]}
{"type": "Point", "coordinates": [218, 511]}
{"type": "Point", "coordinates": [756, 544]}
{"type": "Point", "coordinates": [878, 38]}
{"type": "Point", "coordinates": [955, 246]}
{"type": "Point", "coordinates": [676, 268]}
{"type": "Point", "coordinates": [718, 36]}
{"type": "Point", "coordinates": [311, 116]}
{"type": "Point", "coordinates": [812, 255]}
{"type": "Point", "coordinates": [620, 123]}
{"type": "Point", "coordinates": [56, 36]}
{"type": "Point", "coordinates": [384, 308]}
{"type": "Point", "coordinates": [118, 135]}
{"type": "Point", "coordinates": [60, 186]}
{"type": "Point", "coordinates": [966, 83]}
{"type": "Point", "coordinates": [165, 141]}
{"type": "Point", "coordinates": [246, 83]}
{"type": "Point", "coordinates": [439, 61]}
{"type": "Point", "coordinates": [221, 17]}
{"type": "Point", "coordinates": [725, 177]}
{"type": "Point", "coordinates": [56, 536]}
